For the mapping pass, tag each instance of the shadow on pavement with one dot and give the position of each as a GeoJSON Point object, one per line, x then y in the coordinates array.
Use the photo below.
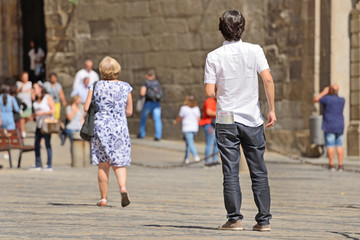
{"type": "Point", "coordinates": [347, 235]}
{"type": "Point", "coordinates": [75, 204]}
{"type": "Point", "coordinates": [174, 226]}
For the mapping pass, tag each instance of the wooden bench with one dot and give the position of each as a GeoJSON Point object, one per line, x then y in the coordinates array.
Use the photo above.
{"type": "Point", "coordinates": [16, 143]}
{"type": "Point", "coordinates": [5, 147]}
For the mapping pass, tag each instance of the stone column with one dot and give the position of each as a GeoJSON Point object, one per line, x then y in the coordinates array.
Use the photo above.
{"type": "Point", "coordinates": [340, 56]}
{"type": "Point", "coordinates": [353, 132]}
{"type": "Point", "coordinates": [10, 41]}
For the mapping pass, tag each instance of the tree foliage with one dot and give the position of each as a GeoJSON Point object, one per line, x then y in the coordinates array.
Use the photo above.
{"type": "Point", "coordinates": [75, 2]}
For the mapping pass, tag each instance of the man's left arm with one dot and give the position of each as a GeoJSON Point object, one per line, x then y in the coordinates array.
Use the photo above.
{"type": "Point", "coordinates": [210, 90]}
{"type": "Point", "coordinates": [270, 95]}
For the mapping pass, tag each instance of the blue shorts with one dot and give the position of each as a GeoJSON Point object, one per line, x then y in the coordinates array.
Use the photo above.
{"type": "Point", "coordinates": [333, 139]}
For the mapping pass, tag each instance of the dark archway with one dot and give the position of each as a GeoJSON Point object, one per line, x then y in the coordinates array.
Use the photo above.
{"type": "Point", "coordinates": [33, 22]}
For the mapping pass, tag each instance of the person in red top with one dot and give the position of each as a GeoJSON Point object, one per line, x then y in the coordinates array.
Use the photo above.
{"type": "Point", "coordinates": [208, 114]}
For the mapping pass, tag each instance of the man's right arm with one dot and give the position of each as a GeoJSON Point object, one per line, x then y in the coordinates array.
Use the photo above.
{"type": "Point", "coordinates": [324, 92]}
{"type": "Point", "coordinates": [270, 95]}
{"type": "Point", "coordinates": [142, 91]}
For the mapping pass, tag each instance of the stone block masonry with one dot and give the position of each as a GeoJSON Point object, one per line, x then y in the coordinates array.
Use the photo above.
{"type": "Point", "coordinates": [353, 133]}
{"type": "Point", "coordinates": [174, 36]}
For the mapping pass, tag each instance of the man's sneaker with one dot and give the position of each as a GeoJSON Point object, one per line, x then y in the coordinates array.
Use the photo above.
{"type": "Point", "coordinates": [197, 159]}
{"type": "Point", "coordinates": [35, 169]}
{"type": "Point", "coordinates": [264, 228]}
{"type": "Point", "coordinates": [186, 161]}
{"type": "Point", "coordinates": [232, 226]}
{"type": "Point", "coordinates": [49, 169]}
{"type": "Point", "coordinates": [341, 168]}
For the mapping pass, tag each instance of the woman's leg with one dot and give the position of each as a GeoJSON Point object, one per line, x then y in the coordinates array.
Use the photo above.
{"type": "Point", "coordinates": [191, 144]}
{"type": "Point", "coordinates": [47, 138]}
{"type": "Point", "coordinates": [187, 149]}
{"type": "Point", "coordinates": [103, 179]}
{"type": "Point", "coordinates": [69, 133]}
{"type": "Point", "coordinates": [22, 126]}
{"type": "Point", "coordinates": [38, 137]}
{"type": "Point", "coordinates": [120, 173]}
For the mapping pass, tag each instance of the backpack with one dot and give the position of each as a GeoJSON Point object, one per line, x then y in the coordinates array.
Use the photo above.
{"type": "Point", "coordinates": [154, 92]}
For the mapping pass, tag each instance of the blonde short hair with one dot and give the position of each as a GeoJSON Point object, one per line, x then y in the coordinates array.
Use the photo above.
{"type": "Point", "coordinates": [109, 68]}
{"type": "Point", "coordinates": [73, 99]}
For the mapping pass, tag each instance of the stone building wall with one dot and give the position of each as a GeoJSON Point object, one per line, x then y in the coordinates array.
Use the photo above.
{"type": "Point", "coordinates": [10, 41]}
{"type": "Point", "coordinates": [174, 37]}
{"type": "Point", "coordinates": [354, 128]}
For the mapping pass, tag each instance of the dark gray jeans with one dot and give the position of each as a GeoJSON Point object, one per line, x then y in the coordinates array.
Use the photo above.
{"type": "Point", "coordinates": [252, 140]}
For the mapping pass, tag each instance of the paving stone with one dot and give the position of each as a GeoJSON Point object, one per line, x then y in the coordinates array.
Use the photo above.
{"type": "Point", "coordinates": [308, 201]}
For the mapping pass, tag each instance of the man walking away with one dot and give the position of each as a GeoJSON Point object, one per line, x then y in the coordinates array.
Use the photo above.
{"type": "Point", "coordinates": [231, 76]}
{"type": "Point", "coordinates": [152, 91]}
{"type": "Point", "coordinates": [333, 123]}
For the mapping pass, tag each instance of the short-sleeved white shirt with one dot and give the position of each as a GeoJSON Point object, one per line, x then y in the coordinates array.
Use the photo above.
{"type": "Point", "coordinates": [233, 67]}
{"type": "Point", "coordinates": [190, 118]}
{"type": "Point", "coordinates": [35, 57]}
{"type": "Point", "coordinates": [25, 94]}
{"type": "Point", "coordinates": [83, 73]}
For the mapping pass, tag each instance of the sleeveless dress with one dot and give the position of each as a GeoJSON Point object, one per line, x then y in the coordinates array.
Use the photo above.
{"type": "Point", "coordinates": [111, 141]}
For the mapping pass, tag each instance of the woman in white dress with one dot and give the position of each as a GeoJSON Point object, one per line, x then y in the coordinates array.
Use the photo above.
{"type": "Point", "coordinates": [110, 146]}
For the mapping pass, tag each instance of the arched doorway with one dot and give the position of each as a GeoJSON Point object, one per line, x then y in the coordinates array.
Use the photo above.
{"type": "Point", "coordinates": [33, 23]}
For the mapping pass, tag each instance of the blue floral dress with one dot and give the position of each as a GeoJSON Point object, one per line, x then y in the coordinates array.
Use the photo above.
{"type": "Point", "coordinates": [111, 141]}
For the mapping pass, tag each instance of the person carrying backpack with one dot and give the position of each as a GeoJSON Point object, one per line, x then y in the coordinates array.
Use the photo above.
{"type": "Point", "coordinates": [152, 91]}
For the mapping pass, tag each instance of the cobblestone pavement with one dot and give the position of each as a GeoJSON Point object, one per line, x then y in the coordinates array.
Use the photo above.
{"type": "Point", "coordinates": [308, 202]}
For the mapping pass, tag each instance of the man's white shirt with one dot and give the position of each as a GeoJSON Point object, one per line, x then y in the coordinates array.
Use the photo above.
{"type": "Point", "coordinates": [233, 67]}
{"type": "Point", "coordinates": [83, 73]}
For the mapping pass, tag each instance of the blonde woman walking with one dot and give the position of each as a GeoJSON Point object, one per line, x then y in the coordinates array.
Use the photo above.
{"type": "Point", "coordinates": [110, 145]}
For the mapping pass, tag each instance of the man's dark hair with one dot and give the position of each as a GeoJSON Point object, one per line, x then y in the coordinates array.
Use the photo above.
{"type": "Point", "coordinates": [232, 25]}
{"type": "Point", "coordinates": [52, 74]}
{"type": "Point", "coordinates": [151, 72]}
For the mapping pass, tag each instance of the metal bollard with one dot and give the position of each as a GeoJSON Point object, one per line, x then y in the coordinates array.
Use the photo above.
{"type": "Point", "coordinates": [316, 132]}
{"type": "Point", "coordinates": [80, 154]}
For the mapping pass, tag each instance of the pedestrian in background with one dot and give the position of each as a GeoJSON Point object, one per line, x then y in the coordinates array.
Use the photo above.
{"type": "Point", "coordinates": [17, 115]}
{"type": "Point", "coordinates": [189, 117]}
{"type": "Point", "coordinates": [8, 106]}
{"type": "Point", "coordinates": [44, 107]}
{"type": "Point", "coordinates": [82, 90]}
{"type": "Point", "coordinates": [208, 124]}
{"type": "Point", "coordinates": [333, 123]}
{"type": "Point", "coordinates": [37, 58]}
{"type": "Point", "coordinates": [24, 89]}
{"type": "Point", "coordinates": [55, 90]}
{"type": "Point", "coordinates": [231, 76]}
{"type": "Point", "coordinates": [87, 71]}
{"type": "Point", "coordinates": [75, 117]}
{"type": "Point", "coordinates": [110, 146]}
{"type": "Point", "coordinates": [152, 91]}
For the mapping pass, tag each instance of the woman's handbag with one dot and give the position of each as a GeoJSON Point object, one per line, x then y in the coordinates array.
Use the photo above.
{"type": "Point", "coordinates": [87, 129]}
{"type": "Point", "coordinates": [50, 126]}
{"type": "Point", "coordinates": [140, 103]}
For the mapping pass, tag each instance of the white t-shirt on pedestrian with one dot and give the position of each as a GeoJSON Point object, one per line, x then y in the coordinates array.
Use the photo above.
{"type": "Point", "coordinates": [233, 67]}
{"type": "Point", "coordinates": [82, 74]}
{"type": "Point", "coordinates": [35, 58]}
{"type": "Point", "coordinates": [190, 118]}
{"type": "Point", "coordinates": [25, 94]}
